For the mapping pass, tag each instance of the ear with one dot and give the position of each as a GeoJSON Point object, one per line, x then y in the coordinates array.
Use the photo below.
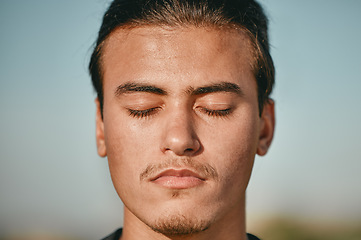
{"type": "Point", "coordinates": [267, 127]}
{"type": "Point", "coordinates": [102, 151]}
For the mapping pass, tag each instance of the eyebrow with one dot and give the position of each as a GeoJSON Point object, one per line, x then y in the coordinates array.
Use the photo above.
{"type": "Point", "coordinates": [143, 87]}
{"type": "Point", "coordinates": [218, 87]}
{"type": "Point", "coordinates": [138, 87]}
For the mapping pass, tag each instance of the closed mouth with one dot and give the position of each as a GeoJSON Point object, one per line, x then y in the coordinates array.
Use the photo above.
{"type": "Point", "coordinates": [181, 173]}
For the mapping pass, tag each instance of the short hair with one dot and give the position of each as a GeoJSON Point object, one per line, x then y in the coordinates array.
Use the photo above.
{"type": "Point", "coordinates": [246, 15]}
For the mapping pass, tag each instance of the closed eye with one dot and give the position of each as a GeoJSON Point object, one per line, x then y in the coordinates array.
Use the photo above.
{"type": "Point", "coordinates": [217, 113]}
{"type": "Point", "coordinates": [143, 113]}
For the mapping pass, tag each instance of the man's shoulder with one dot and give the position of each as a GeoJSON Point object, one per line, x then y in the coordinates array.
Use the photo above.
{"type": "Point", "coordinates": [116, 235]}
{"type": "Point", "coordinates": [252, 237]}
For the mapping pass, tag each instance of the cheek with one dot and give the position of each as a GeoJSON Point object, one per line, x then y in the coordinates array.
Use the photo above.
{"type": "Point", "coordinates": [235, 168]}
{"type": "Point", "coordinates": [233, 145]}
{"type": "Point", "coordinates": [236, 138]}
{"type": "Point", "coordinates": [126, 137]}
{"type": "Point", "coordinates": [127, 150]}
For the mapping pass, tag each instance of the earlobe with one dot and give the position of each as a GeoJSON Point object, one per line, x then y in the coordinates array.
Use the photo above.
{"type": "Point", "coordinates": [267, 128]}
{"type": "Point", "coordinates": [102, 151]}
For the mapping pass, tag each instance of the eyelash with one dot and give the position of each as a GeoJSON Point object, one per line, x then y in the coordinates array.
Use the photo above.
{"type": "Point", "coordinates": [150, 111]}
{"type": "Point", "coordinates": [142, 113]}
{"type": "Point", "coordinates": [217, 113]}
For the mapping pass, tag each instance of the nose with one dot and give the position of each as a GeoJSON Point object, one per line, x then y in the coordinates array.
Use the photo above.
{"type": "Point", "coordinates": [180, 136]}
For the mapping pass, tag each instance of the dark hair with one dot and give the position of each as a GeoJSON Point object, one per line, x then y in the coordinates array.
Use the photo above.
{"type": "Point", "coordinates": [246, 15]}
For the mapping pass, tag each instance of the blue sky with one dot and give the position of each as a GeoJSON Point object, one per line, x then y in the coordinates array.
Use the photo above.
{"type": "Point", "coordinates": [49, 166]}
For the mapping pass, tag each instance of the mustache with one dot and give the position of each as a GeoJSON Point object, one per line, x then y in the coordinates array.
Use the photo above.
{"type": "Point", "coordinates": [205, 170]}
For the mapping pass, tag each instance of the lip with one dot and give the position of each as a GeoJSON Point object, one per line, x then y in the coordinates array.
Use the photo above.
{"type": "Point", "coordinates": [178, 179]}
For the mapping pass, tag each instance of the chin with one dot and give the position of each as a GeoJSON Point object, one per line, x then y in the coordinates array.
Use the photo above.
{"type": "Point", "coordinates": [180, 218]}
{"type": "Point", "coordinates": [179, 225]}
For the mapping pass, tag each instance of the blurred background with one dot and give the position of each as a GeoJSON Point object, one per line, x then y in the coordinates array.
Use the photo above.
{"type": "Point", "coordinates": [54, 186]}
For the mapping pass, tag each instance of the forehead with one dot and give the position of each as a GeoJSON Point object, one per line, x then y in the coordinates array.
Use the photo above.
{"type": "Point", "coordinates": [200, 53]}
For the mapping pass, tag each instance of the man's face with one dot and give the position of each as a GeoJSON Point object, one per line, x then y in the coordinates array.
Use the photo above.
{"type": "Point", "coordinates": [180, 124]}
